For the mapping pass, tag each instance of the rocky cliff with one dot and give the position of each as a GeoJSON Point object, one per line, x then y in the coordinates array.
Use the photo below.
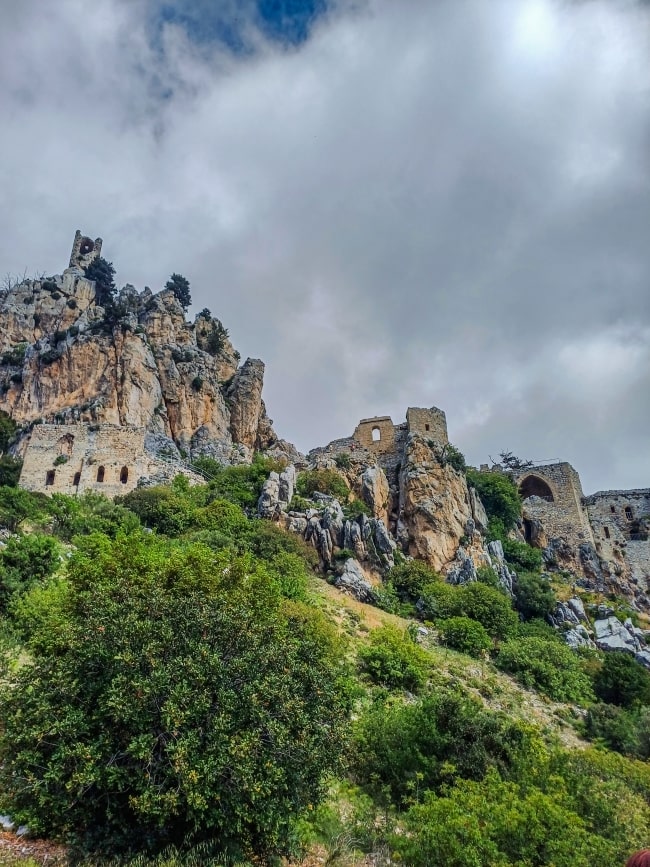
{"type": "Point", "coordinates": [66, 358]}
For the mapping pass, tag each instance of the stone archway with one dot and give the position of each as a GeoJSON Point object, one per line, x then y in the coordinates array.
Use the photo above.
{"type": "Point", "coordinates": [534, 486]}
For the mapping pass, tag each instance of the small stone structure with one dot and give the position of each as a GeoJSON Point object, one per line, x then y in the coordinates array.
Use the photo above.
{"type": "Point", "coordinates": [84, 251]}
{"type": "Point", "coordinates": [108, 459]}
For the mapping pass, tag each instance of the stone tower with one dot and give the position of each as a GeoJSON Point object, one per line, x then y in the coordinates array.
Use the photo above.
{"type": "Point", "coordinates": [84, 251]}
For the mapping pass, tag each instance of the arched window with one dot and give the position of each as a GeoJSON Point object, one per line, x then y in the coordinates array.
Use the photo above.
{"type": "Point", "coordinates": [607, 532]}
{"type": "Point", "coordinates": [65, 445]}
{"type": "Point", "coordinates": [76, 479]}
{"type": "Point", "coordinates": [427, 427]}
{"type": "Point", "coordinates": [100, 474]}
{"type": "Point", "coordinates": [376, 434]}
{"type": "Point", "coordinates": [533, 486]}
{"type": "Point", "coordinates": [49, 477]}
{"type": "Point", "coordinates": [628, 513]}
{"type": "Point", "coordinates": [124, 475]}
{"type": "Point", "coordinates": [612, 509]}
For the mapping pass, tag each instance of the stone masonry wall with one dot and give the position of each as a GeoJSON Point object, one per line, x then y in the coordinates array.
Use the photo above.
{"type": "Point", "coordinates": [429, 423]}
{"type": "Point", "coordinates": [564, 517]}
{"type": "Point", "coordinates": [366, 432]}
{"type": "Point", "coordinates": [103, 458]}
{"type": "Point", "coordinates": [620, 521]}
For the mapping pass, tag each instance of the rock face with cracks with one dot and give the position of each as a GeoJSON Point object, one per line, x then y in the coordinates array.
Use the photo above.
{"type": "Point", "coordinates": [140, 364]}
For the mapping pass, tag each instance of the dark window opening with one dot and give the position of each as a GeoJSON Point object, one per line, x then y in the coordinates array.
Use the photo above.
{"type": "Point", "coordinates": [376, 434]}
{"type": "Point", "coordinates": [533, 486]}
{"type": "Point", "coordinates": [49, 477]}
{"type": "Point", "coordinates": [613, 509]}
{"type": "Point", "coordinates": [607, 532]}
{"type": "Point", "coordinates": [528, 530]}
{"type": "Point", "coordinates": [628, 513]}
{"type": "Point", "coordinates": [77, 479]}
{"type": "Point", "coordinates": [426, 427]}
{"type": "Point", "coordinates": [100, 474]}
{"type": "Point", "coordinates": [124, 475]}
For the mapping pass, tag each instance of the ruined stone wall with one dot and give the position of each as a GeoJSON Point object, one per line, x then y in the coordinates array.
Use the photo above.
{"type": "Point", "coordinates": [563, 516]}
{"type": "Point", "coordinates": [376, 434]}
{"type": "Point", "coordinates": [71, 459]}
{"type": "Point", "coordinates": [84, 250]}
{"type": "Point", "coordinates": [620, 521]}
{"type": "Point", "coordinates": [429, 423]}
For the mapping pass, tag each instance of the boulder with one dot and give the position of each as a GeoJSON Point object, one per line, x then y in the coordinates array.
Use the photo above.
{"type": "Point", "coordinates": [353, 581]}
{"type": "Point", "coordinates": [375, 491]}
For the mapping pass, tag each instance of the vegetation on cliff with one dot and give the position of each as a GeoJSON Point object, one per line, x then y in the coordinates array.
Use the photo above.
{"type": "Point", "coordinates": [174, 676]}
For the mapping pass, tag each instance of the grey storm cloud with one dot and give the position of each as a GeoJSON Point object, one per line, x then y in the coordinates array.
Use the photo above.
{"type": "Point", "coordinates": [424, 204]}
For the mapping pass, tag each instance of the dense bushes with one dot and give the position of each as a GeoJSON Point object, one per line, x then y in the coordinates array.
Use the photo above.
{"type": "Point", "coordinates": [550, 666]}
{"type": "Point", "coordinates": [324, 481]}
{"type": "Point", "coordinates": [622, 680]}
{"type": "Point", "coordinates": [403, 749]}
{"type": "Point", "coordinates": [501, 499]}
{"type": "Point", "coordinates": [25, 560]}
{"type": "Point", "coordinates": [393, 659]}
{"type": "Point", "coordinates": [478, 601]}
{"type": "Point", "coordinates": [465, 635]}
{"type": "Point", "coordinates": [166, 721]}
{"type": "Point", "coordinates": [534, 596]}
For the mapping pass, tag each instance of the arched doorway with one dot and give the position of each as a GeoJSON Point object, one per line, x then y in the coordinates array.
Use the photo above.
{"type": "Point", "coordinates": [533, 486]}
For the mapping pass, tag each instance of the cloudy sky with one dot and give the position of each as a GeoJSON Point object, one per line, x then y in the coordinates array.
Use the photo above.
{"type": "Point", "coordinates": [423, 202]}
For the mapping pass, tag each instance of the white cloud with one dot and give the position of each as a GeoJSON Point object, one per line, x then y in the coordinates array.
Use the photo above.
{"type": "Point", "coordinates": [424, 204]}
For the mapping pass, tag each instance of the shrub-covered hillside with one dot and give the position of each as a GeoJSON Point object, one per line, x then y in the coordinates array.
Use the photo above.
{"type": "Point", "coordinates": [180, 687]}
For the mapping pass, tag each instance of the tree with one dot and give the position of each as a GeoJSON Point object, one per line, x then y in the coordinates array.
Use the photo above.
{"type": "Point", "coordinates": [180, 286]}
{"type": "Point", "coordinates": [103, 273]}
{"type": "Point", "coordinates": [534, 596]}
{"type": "Point", "coordinates": [24, 561]}
{"type": "Point", "coordinates": [512, 462]}
{"type": "Point", "coordinates": [500, 497]}
{"type": "Point", "coordinates": [10, 469]}
{"type": "Point", "coordinates": [189, 703]}
{"type": "Point", "coordinates": [466, 635]}
{"type": "Point", "coordinates": [8, 428]}
{"type": "Point", "coordinates": [393, 659]}
{"type": "Point", "coordinates": [623, 681]}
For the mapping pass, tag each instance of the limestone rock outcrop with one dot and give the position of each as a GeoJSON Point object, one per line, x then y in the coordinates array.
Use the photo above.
{"type": "Point", "coordinates": [136, 363]}
{"type": "Point", "coordinates": [434, 505]}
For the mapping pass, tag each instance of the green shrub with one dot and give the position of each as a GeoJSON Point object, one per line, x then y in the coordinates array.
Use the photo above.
{"type": "Point", "coordinates": [324, 482]}
{"type": "Point", "coordinates": [491, 607]}
{"type": "Point", "coordinates": [8, 428]}
{"type": "Point", "coordinates": [343, 460]}
{"type": "Point", "coordinates": [16, 505]}
{"type": "Point", "coordinates": [240, 484]}
{"type": "Point", "coordinates": [15, 357]}
{"type": "Point", "coordinates": [161, 508]}
{"type": "Point", "coordinates": [355, 508]}
{"type": "Point", "coordinates": [59, 460]}
{"type": "Point", "coordinates": [103, 274]}
{"type": "Point", "coordinates": [410, 578]}
{"type": "Point", "coordinates": [465, 635]}
{"type": "Point", "coordinates": [300, 504]}
{"type": "Point", "coordinates": [392, 659]}
{"type": "Point", "coordinates": [439, 601]}
{"type": "Point", "coordinates": [522, 556]}
{"type": "Point", "coordinates": [189, 704]}
{"type": "Point", "coordinates": [622, 680]}
{"type": "Point", "coordinates": [89, 513]}
{"type": "Point", "coordinates": [487, 575]}
{"type": "Point", "coordinates": [24, 561]}
{"type": "Point", "coordinates": [10, 469]}
{"type": "Point", "coordinates": [455, 458]}
{"type": "Point", "coordinates": [549, 666]}
{"type": "Point", "coordinates": [618, 729]}
{"type": "Point", "coordinates": [197, 383]}
{"type": "Point", "coordinates": [404, 749]}
{"type": "Point", "coordinates": [534, 596]}
{"type": "Point", "coordinates": [72, 303]}
{"type": "Point", "coordinates": [500, 497]}
{"type": "Point", "coordinates": [501, 823]}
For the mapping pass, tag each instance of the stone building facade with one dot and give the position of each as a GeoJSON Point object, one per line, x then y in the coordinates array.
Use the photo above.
{"type": "Point", "coordinates": [605, 535]}
{"type": "Point", "coordinates": [108, 459]}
